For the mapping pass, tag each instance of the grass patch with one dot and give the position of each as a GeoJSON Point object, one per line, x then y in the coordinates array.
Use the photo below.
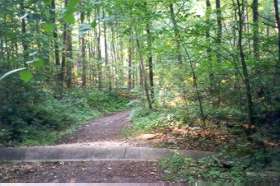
{"type": "Point", "coordinates": [216, 169]}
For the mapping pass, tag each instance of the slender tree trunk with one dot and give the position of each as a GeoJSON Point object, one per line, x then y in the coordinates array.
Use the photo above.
{"type": "Point", "coordinates": [69, 59]}
{"type": "Point", "coordinates": [122, 60]}
{"type": "Point", "coordinates": [83, 50]}
{"type": "Point", "coordinates": [277, 17]}
{"type": "Point", "coordinates": [68, 51]}
{"type": "Point", "coordinates": [209, 51]}
{"type": "Point", "coordinates": [256, 29]}
{"type": "Point", "coordinates": [63, 59]}
{"type": "Point", "coordinates": [195, 84]}
{"type": "Point", "coordinates": [150, 61]}
{"type": "Point", "coordinates": [240, 4]}
{"type": "Point", "coordinates": [99, 56]}
{"type": "Point", "coordinates": [177, 33]}
{"type": "Point", "coordinates": [55, 44]}
{"type": "Point", "coordinates": [23, 31]}
{"type": "Point", "coordinates": [114, 67]}
{"type": "Point", "coordinates": [219, 29]}
{"type": "Point", "coordinates": [130, 45]}
{"type": "Point", "coordinates": [217, 84]}
{"type": "Point", "coordinates": [141, 79]}
{"type": "Point", "coordinates": [143, 74]}
{"type": "Point", "coordinates": [53, 20]}
{"type": "Point", "coordinates": [107, 67]}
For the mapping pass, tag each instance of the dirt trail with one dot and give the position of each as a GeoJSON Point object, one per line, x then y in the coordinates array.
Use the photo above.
{"type": "Point", "coordinates": [97, 152]}
{"type": "Point", "coordinates": [105, 131]}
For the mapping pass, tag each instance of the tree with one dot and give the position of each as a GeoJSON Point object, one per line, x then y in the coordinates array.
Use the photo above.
{"type": "Point", "coordinates": [130, 54]}
{"type": "Point", "coordinates": [240, 7]}
{"type": "Point", "coordinates": [108, 71]}
{"type": "Point", "coordinates": [23, 31]}
{"type": "Point", "coordinates": [143, 72]}
{"type": "Point", "coordinates": [256, 28]}
{"type": "Point", "coordinates": [83, 55]}
{"type": "Point", "coordinates": [177, 33]}
{"type": "Point", "coordinates": [277, 18]}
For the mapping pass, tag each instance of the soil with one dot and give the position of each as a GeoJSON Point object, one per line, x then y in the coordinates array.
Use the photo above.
{"type": "Point", "coordinates": [85, 172]}
{"type": "Point", "coordinates": [106, 130]}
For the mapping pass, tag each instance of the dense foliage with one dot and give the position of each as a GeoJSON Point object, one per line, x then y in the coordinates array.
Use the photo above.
{"type": "Point", "coordinates": [204, 63]}
{"type": "Point", "coordinates": [39, 118]}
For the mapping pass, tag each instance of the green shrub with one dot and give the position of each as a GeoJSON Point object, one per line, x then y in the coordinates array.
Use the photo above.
{"type": "Point", "coordinates": [145, 120]}
{"type": "Point", "coordinates": [39, 118]}
{"type": "Point", "coordinates": [180, 168]}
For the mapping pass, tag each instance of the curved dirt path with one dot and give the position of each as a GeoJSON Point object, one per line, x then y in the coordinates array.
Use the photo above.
{"type": "Point", "coordinates": [105, 133]}
{"type": "Point", "coordinates": [96, 152]}
{"type": "Point", "coordinates": [107, 128]}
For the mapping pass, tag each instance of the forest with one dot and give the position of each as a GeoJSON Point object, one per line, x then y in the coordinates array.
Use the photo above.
{"type": "Point", "coordinates": [194, 74]}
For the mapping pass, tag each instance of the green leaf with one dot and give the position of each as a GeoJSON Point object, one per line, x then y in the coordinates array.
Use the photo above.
{"type": "Point", "coordinates": [69, 17]}
{"type": "Point", "coordinates": [11, 72]}
{"type": "Point", "coordinates": [48, 27]}
{"type": "Point", "coordinates": [72, 4]}
{"type": "Point", "coordinates": [26, 75]}
{"type": "Point", "coordinates": [47, 2]}
{"type": "Point", "coordinates": [39, 63]}
{"type": "Point", "coordinates": [93, 24]}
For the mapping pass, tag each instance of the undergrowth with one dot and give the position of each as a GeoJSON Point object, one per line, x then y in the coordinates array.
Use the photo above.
{"type": "Point", "coordinates": [49, 118]}
{"type": "Point", "coordinates": [236, 160]}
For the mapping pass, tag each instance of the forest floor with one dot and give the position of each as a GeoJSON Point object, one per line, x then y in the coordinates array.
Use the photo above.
{"type": "Point", "coordinates": [97, 152]}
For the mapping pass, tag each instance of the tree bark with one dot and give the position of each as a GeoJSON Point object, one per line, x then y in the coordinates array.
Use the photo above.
{"type": "Point", "coordinates": [277, 18]}
{"type": "Point", "coordinates": [256, 29]}
{"type": "Point", "coordinates": [130, 45]}
{"type": "Point", "coordinates": [177, 33]}
{"type": "Point", "coordinates": [83, 50]}
{"type": "Point", "coordinates": [150, 61]}
{"type": "Point", "coordinates": [219, 29]}
{"type": "Point", "coordinates": [195, 85]}
{"type": "Point", "coordinates": [209, 51]}
{"type": "Point", "coordinates": [99, 56]}
{"type": "Point", "coordinates": [240, 4]}
{"type": "Point", "coordinates": [23, 31]}
{"type": "Point", "coordinates": [143, 74]}
{"type": "Point", "coordinates": [107, 67]}
{"type": "Point", "coordinates": [55, 37]}
{"type": "Point", "coordinates": [68, 47]}
{"type": "Point", "coordinates": [63, 59]}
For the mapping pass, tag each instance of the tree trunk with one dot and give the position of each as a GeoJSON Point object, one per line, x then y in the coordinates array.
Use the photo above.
{"type": "Point", "coordinates": [177, 33]}
{"type": "Point", "coordinates": [130, 45]}
{"type": "Point", "coordinates": [209, 51]}
{"type": "Point", "coordinates": [99, 56]}
{"type": "Point", "coordinates": [150, 61]}
{"type": "Point", "coordinates": [53, 20]}
{"type": "Point", "coordinates": [217, 84]}
{"type": "Point", "coordinates": [107, 67]}
{"type": "Point", "coordinates": [115, 81]}
{"type": "Point", "coordinates": [63, 59]}
{"type": "Point", "coordinates": [219, 29]}
{"type": "Point", "coordinates": [69, 56]}
{"type": "Point", "coordinates": [277, 17]}
{"type": "Point", "coordinates": [83, 50]}
{"type": "Point", "coordinates": [243, 63]}
{"type": "Point", "coordinates": [256, 29]}
{"type": "Point", "coordinates": [195, 85]}
{"type": "Point", "coordinates": [143, 74]}
{"type": "Point", "coordinates": [23, 31]}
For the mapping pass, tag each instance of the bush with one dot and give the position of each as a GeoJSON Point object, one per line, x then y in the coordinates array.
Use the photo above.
{"type": "Point", "coordinates": [33, 116]}
{"type": "Point", "coordinates": [180, 168]}
{"type": "Point", "coordinates": [145, 120]}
